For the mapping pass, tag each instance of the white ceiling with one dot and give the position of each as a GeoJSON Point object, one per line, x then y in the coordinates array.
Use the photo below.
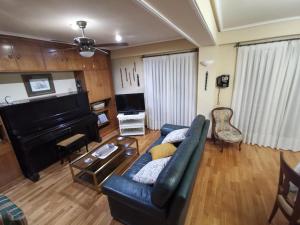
{"type": "Point", "coordinates": [51, 20]}
{"type": "Point", "coordinates": [237, 14]}
{"type": "Point", "coordinates": [183, 16]}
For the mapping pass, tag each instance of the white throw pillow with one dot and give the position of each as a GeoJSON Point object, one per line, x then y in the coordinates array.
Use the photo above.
{"type": "Point", "coordinates": [149, 173]}
{"type": "Point", "coordinates": [293, 188]}
{"type": "Point", "coordinates": [175, 136]}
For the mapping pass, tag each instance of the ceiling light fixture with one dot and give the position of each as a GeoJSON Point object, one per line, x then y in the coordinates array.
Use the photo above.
{"type": "Point", "coordinates": [118, 38]}
{"type": "Point", "coordinates": [6, 46]}
{"type": "Point", "coordinates": [86, 54]}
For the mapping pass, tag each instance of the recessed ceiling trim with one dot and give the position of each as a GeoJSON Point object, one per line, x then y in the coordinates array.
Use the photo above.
{"type": "Point", "coordinates": [200, 16]}
{"type": "Point", "coordinates": [216, 7]}
{"type": "Point", "coordinates": [24, 36]}
{"type": "Point", "coordinates": [219, 18]}
{"type": "Point", "coordinates": [153, 10]}
{"type": "Point", "coordinates": [261, 23]}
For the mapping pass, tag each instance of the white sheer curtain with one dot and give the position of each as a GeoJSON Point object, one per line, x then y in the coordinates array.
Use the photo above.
{"type": "Point", "coordinates": [266, 99]}
{"type": "Point", "coordinates": [170, 89]}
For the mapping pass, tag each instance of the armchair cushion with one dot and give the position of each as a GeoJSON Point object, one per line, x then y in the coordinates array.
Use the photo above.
{"type": "Point", "coordinates": [231, 135]}
{"type": "Point", "coordinates": [10, 214]}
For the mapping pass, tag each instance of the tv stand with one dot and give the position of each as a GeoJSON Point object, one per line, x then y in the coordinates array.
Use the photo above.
{"type": "Point", "coordinates": [131, 113]}
{"type": "Point", "coordinates": [131, 125]}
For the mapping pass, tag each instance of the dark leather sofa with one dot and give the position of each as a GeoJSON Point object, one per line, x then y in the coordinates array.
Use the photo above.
{"type": "Point", "coordinates": [165, 202]}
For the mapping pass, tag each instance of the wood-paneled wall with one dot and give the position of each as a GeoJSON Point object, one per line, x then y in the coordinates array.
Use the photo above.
{"type": "Point", "coordinates": [28, 55]}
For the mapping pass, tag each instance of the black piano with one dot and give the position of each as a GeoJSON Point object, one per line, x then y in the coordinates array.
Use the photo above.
{"type": "Point", "coordinates": [35, 126]}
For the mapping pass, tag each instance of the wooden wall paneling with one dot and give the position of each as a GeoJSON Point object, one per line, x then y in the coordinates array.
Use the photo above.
{"type": "Point", "coordinates": [9, 166]}
{"type": "Point", "coordinates": [28, 55]}
{"type": "Point", "coordinates": [112, 112]}
{"type": "Point", "coordinates": [100, 61]}
{"type": "Point", "coordinates": [94, 85]}
{"type": "Point", "coordinates": [62, 58]}
{"type": "Point", "coordinates": [7, 60]}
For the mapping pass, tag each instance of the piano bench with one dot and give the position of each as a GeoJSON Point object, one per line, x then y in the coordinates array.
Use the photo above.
{"type": "Point", "coordinates": [71, 144]}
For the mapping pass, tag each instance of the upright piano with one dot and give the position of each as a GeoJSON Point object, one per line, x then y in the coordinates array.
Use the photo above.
{"type": "Point", "coordinates": [35, 126]}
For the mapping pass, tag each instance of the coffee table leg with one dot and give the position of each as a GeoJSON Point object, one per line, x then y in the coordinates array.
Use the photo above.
{"type": "Point", "coordinates": [72, 172]}
{"type": "Point", "coordinates": [137, 147]}
{"type": "Point", "coordinates": [96, 183]}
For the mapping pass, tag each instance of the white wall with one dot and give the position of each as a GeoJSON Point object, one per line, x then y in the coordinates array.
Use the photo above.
{"type": "Point", "coordinates": [224, 57]}
{"type": "Point", "coordinates": [11, 84]}
{"type": "Point", "coordinates": [128, 63]}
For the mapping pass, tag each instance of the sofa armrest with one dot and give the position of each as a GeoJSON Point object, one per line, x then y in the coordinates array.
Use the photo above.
{"type": "Point", "coordinates": [167, 128]}
{"type": "Point", "coordinates": [129, 192]}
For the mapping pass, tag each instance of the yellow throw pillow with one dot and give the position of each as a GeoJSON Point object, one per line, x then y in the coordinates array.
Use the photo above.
{"type": "Point", "coordinates": [162, 151]}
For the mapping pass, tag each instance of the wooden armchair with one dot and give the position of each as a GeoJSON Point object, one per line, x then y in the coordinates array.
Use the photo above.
{"type": "Point", "coordinates": [288, 202]}
{"type": "Point", "coordinates": [222, 129]}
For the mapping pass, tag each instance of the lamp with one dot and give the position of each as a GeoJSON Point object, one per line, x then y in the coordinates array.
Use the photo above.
{"type": "Point", "coordinates": [86, 50]}
{"type": "Point", "coordinates": [206, 63]}
{"type": "Point", "coordinates": [86, 54]}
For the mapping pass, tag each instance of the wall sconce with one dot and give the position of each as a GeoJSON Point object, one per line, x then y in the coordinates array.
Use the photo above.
{"type": "Point", "coordinates": [206, 63]}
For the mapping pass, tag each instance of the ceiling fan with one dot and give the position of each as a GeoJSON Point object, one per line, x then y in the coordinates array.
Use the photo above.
{"type": "Point", "coordinates": [87, 46]}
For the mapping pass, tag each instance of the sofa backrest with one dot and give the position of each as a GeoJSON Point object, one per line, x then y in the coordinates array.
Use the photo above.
{"type": "Point", "coordinates": [171, 175]}
{"type": "Point", "coordinates": [180, 200]}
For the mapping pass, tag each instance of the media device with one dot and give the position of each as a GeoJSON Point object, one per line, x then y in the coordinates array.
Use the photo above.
{"type": "Point", "coordinates": [222, 81]}
{"type": "Point", "coordinates": [130, 103]}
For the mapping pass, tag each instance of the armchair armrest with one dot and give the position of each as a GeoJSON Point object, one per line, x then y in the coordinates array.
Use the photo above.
{"type": "Point", "coordinates": [167, 128]}
{"type": "Point", "coordinates": [129, 192]}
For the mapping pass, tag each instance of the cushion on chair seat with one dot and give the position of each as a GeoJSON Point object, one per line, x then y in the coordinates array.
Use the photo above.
{"type": "Point", "coordinates": [10, 213]}
{"type": "Point", "coordinates": [231, 135]}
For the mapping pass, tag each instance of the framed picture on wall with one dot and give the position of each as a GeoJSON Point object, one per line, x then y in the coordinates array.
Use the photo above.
{"type": "Point", "coordinates": [38, 84]}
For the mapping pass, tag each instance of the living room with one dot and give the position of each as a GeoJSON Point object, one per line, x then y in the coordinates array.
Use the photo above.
{"type": "Point", "coordinates": [149, 112]}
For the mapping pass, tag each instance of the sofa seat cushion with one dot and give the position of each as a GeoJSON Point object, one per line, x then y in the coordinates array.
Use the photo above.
{"type": "Point", "coordinates": [138, 165]}
{"type": "Point", "coordinates": [149, 173]}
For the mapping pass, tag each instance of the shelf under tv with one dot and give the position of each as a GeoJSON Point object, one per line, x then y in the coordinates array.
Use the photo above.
{"type": "Point", "coordinates": [132, 124]}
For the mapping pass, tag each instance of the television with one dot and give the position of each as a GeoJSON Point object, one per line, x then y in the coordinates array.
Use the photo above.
{"type": "Point", "coordinates": [130, 103]}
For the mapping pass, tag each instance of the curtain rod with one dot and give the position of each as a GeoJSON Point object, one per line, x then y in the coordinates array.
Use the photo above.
{"type": "Point", "coordinates": [170, 53]}
{"type": "Point", "coordinates": [265, 42]}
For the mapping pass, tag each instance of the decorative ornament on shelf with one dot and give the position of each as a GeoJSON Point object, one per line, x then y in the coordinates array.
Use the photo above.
{"type": "Point", "coordinates": [8, 99]}
{"type": "Point", "coordinates": [206, 63]}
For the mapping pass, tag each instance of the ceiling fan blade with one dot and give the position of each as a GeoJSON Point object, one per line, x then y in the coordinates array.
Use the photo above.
{"type": "Point", "coordinates": [62, 42]}
{"type": "Point", "coordinates": [102, 50]}
{"type": "Point", "coordinates": [112, 44]}
{"type": "Point", "coordinates": [62, 50]}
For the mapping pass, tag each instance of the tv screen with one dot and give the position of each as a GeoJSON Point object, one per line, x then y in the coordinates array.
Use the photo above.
{"type": "Point", "coordinates": [130, 103]}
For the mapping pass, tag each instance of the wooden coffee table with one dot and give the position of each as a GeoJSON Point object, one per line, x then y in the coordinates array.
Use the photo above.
{"type": "Point", "coordinates": [97, 170]}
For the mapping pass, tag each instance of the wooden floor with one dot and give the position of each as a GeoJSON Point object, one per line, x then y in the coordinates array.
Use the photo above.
{"type": "Point", "coordinates": [232, 188]}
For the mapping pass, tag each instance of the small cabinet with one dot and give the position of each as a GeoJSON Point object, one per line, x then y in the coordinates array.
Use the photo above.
{"type": "Point", "coordinates": [7, 59]}
{"type": "Point", "coordinates": [98, 84]}
{"type": "Point", "coordinates": [28, 56]}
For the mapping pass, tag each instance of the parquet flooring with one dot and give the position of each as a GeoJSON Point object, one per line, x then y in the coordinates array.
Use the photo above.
{"type": "Point", "coordinates": [232, 188]}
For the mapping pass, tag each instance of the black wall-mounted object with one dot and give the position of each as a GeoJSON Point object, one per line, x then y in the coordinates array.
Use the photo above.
{"type": "Point", "coordinates": [206, 78]}
{"type": "Point", "coordinates": [222, 81]}
{"type": "Point", "coordinates": [34, 127]}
